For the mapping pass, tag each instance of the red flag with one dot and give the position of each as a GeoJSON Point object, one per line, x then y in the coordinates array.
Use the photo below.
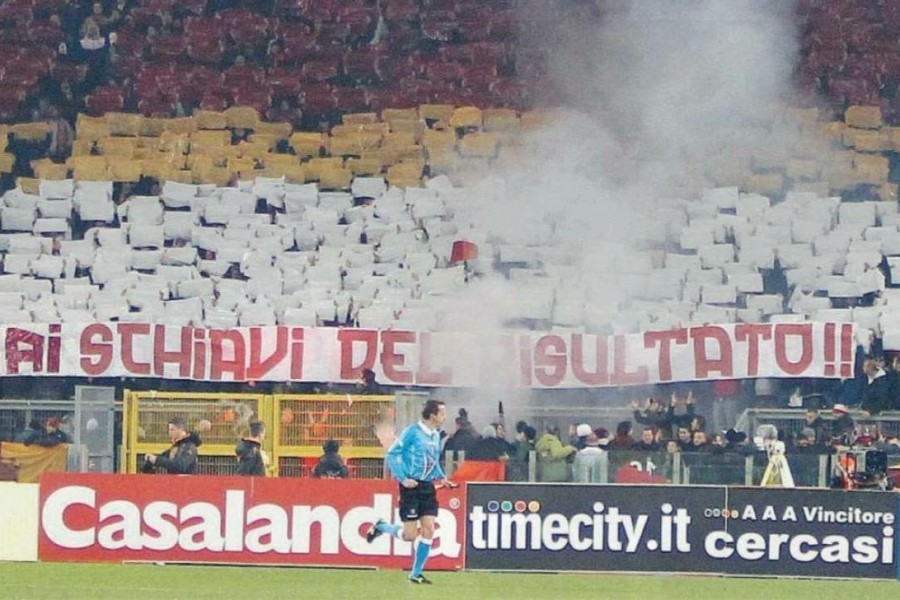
{"type": "Point", "coordinates": [463, 251]}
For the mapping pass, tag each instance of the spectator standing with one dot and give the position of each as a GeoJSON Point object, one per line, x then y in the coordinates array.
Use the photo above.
{"type": "Point", "coordinates": [331, 465]}
{"type": "Point", "coordinates": [875, 391]}
{"type": "Point", "coordinates": [249, 451]}
{"type": "Point", "coordinates": [489, 447]}
{"type": "Point", "coordinates": [814, 422]}
{"type": "Point", "coordinates": [623, 439]}
{"type": "Point", "coordinates": [52, 435]}
{"type": "Point", "coordinates": [843, 426]}
{"type": "Point", "coordinates": [465, 436]}
{"type": "Point", "coordinates": [181, 457]}
{"type": "Point", "coordinates": [648, 441]}
{"type": "Point", "coordinates": [31, 434]}
{"type": "Point", "coordinates": [586, 468]}
{"type": "Point", "coordinates": [552, 455]}
{"type": "Point", "coordinates": [517, 467]}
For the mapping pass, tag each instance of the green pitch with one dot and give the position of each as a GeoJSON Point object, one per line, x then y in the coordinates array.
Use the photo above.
{"type": "Point", "coordinates": [56, 581]}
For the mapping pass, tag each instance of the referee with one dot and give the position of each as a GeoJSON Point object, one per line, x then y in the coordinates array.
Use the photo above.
{"type": "Point", "coordinates": [414, 460]}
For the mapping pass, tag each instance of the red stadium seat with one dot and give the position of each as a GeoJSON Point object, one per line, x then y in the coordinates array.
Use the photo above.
{"type": "Point", "coordinates": [318, 98]}
{"type": "Point", "coordinates": [104, 100]}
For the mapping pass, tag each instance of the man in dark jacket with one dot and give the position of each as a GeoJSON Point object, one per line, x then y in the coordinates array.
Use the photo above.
{"type": "Point", "coordinates": [465, 437]}
{"type": "Point", "coordinates": [52, 435]}
{"type": "Point", "coordinates": [875, 390]}
{"type": "Point", "coordinates": [249, 451]}
{"type": "Point", "coordinates": [331, 465]}
{"type": "Point", "coordinates": [181, 457]}
{"type": "Point", "coordinates": [30, 434]}
{"type": "Point", "coordinates": [517, 467]}
{"type": "Point", "coordinates": [489, 447]}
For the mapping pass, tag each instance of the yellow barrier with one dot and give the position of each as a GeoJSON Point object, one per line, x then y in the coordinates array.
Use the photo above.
{"type": "Point", "coordinates": [297, 426]}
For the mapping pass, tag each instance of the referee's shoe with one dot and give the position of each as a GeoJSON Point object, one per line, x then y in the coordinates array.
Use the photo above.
{"type": "Point", "coordinates": [420, 580]}
{"type": "Point", "coordinates": [373, 531]}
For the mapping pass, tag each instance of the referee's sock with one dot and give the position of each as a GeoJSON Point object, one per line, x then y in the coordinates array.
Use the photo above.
{"type": "Point", "coordinates": [392, 528]}
{"type": "Point", "coordinates": [423, 547]}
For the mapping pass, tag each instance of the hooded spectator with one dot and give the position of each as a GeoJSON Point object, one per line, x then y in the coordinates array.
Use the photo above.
{"type": "Point", "coordinates": [581, 433]}
{"type": "Point", "coordinates": [875, 391]}
{"type": "Point", "coordinates": [552, 455]}
{"type": "Point", "coordinates": [331, 465]}
{"type": "Point", "coordinates": [623, 439]}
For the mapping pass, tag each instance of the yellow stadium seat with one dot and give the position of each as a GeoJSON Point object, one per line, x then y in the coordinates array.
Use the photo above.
{"type": "Point", "coordinates": [307, 144]}
{"type": "Point", "coordinates": [316, 166]}
{"type": "Point", "coordinates": [346, 145]}
{"type": "Point", "coordinates": [82, 147]}
{"type": "Point", "coordinates": [415, 128]}
{"type": "Point", "coordinates": [219, 176]}
{"type": "Point", "coordinates": [868, 140]}
{"type": "Point", "coordinates": [294, 173]}
{"type": "Point", "coordinates": [122, 147]}
{"type": "Point", "coordinates": [155, 167]}
{"type": "Point", "coordinates": [863, 117]}
{"type": "Point", "coordinates": [185, 125]}
{"type": "Point", "coordinates": [364, 166]}
{"type": "Point", "coordinates": [266, 139]}
{"type": "Point", "coordinates": [179, 176]}
{"type": "Point", "coordinates": [34, 132]}
{"type": "Point", "coordinates": [242, 117]}
{"type": "Point", "coordinates": [359, 118]}
{"type": "Point", "coordinates": [768, 184]}
{"type": "Point", "coordinates": [272, 159]}
{"type": "Point", "coordinates": [241, 164]}
{"type": "Point", "coordinates": [170, 141]}
{"type": "Point", "coordinates": [126, 170]}
{"type": "Point", "coordinates": [399, 114]}
{"type": "Point", "coordinates": [49, 170]}
{"type": "Point", "coordinates": [254, 149]}
{"type": "Point", "coordinates": [442, 160]}
{"type": "Point", "coordinates": [281, 131]}
{"type": "Point", "coordinates": [210, 137]}
{"type": "Point", "coordinates": [407, 174]}
{"type": "Point", "coordinates": [436, 112]}
{"type": "Point", "coordinates": [210, 119]}
{"type": "Point", "coordinates": [500, 119]}
{"type": "Point", "coordinates": [437, 139]}
{"type": "Point", "coordinates": [126, 124]}
{"type": "Point", "coordinates": [803, 168]}
{"type": "Point", "coordinates": [7, 162]}
{"type": "Point", "coordinates": [90, 128]}
{"type": "Point", "coordinates": [871, 168]}
{"type": "Point", "coordinates": [152, 127]}
{"type": "Point", "coordinates": [335, 178]}
{"type": "Point", "coordinates": [29, 185]}
{"type": "Point", "coordinates": [534, 119]}
{"type": "Point", "coordinates": [466, 117]}
{"type": "Point", "coordinates": [480, 145]}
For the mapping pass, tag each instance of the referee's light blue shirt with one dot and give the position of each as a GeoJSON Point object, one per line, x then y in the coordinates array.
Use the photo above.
{"type": "Point", "coordinates": [416, 454]}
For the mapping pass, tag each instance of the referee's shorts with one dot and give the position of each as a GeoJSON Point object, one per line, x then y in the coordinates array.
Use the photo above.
{"type": "Point", "coordinates": [418, 502]}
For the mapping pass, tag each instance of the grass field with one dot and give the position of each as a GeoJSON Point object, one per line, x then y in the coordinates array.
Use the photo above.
{"type": "Point", "coordinates": [133, 582]}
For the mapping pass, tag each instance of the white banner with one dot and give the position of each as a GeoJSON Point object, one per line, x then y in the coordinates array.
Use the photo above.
{"type": "Point", "coordinates": [515, 359]}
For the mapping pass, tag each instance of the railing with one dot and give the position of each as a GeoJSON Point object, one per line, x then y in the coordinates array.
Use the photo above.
{"type": "Point", "coordinates": [696, 468]}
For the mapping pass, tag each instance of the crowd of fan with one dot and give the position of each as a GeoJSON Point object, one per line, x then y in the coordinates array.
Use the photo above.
{"type": "Point", "coordinates": [666, 429]}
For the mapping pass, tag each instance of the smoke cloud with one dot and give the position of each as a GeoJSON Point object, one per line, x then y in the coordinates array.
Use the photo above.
{"type": "Point", "coordinates": [664, 98]}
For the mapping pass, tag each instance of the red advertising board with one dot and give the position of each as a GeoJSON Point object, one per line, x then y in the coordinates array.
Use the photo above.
{"type": "Point", "coordinates": [97, 517]}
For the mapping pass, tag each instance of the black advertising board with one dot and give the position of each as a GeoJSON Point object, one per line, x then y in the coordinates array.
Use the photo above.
{"type": "Point", "coordinates": [761, 531]}
{"type": "Point", "coordinates": [819, 533]}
